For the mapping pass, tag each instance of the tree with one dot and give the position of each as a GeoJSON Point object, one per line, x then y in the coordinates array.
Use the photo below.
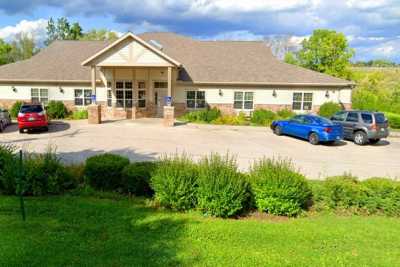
{"type": "Point", "coordinates": [99, 35]}
{"type": "Point", "coordinates": [23, 47]}
{"type": "Point", "coordinates": [62, 30]}
{"type": "Point", "coordinates": [290, 58]}
{"type": "Point", "coordinates": [325, 51]}
{"type": "Point", "coordinates": [5, 50]}
{"type": "Point", "coordinates": [280, 45]}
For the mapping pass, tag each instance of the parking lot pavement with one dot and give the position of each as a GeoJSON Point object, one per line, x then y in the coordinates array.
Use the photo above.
{"type": "Point", "coordinates": [147, 139]}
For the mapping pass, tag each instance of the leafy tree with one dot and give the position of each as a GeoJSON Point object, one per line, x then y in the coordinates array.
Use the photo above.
{"type": "Point", "coordinates": [62, 30]}
{"type": "Point", "coordinates": [5, 50]}
{"type": "Point", "coordinates": [325, 51]}
{"type": "Point", "coordinates": [99, 35]}
{"type": "Point", "coordinates": [290, 58]}
{"type": "Point", "coordinates": [23, 47]}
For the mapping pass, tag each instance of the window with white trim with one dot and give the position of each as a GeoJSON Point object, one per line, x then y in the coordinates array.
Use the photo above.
{"type": "Point", "coordinates": [124, 94]}
{"type": "Point", "coordinates": [243, 100]}
{"type": "Point", "coordinates": [161, 85]}
{"type": "Point", "coordinates": [195, 99]}
{"type": "Point", "coordinates": [82, 97]}
{"type": "Point", "coordinates": [141, 94]}
{"type": "Point", "coordinates": [40, 95]}
{"type": "Point", "coordinates": [302, 101]}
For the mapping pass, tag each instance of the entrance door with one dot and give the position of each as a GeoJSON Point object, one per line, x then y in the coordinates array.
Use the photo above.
{"type": "Point", "coordinates": [159, 100]}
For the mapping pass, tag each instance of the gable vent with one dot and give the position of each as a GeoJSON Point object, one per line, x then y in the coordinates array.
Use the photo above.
{"type": "Point", "coordinates": [156, 44]}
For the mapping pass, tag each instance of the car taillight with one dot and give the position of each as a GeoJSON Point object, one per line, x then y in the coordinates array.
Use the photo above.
{"type": "Point", "coordinates": [20, 115]}
{"type": "Point", "coordinates": [328, 129]}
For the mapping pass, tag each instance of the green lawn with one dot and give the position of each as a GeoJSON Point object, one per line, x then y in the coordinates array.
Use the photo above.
{"type": "Point", "coordinates": [93, 231]}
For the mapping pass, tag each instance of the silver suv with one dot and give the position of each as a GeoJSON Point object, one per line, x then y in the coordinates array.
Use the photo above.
{"type": "Point", "coordinates": [5, 119]}
{"type": "Point", "coordinates": [362, 126]}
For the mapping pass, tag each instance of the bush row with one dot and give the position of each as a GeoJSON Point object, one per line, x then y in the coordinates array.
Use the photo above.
{"type": "Point", "coordinates": [55, 110]}
{"type": "Point", "coordinates": [260, 117]}
{"type": "Point", "coordinates": [214, 185]}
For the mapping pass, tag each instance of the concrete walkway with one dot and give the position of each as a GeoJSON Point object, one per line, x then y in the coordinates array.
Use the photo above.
{"type": "Point", "coordinates": [147, 139]}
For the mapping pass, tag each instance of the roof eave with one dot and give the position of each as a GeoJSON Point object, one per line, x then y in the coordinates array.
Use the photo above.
{"type": "Point", "coordinates": [349, 84]}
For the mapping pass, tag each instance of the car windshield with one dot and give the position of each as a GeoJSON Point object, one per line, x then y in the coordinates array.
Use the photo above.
{"type": "Point", "coordinates": [31, 108]}
{"type": "Point", "coordinates": [321, 120]}
{"type": "Point", "coordinates": [380, 117]}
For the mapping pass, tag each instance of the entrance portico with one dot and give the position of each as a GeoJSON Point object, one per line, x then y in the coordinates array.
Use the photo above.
{"type": "Point", "coordinates": [139, 79]}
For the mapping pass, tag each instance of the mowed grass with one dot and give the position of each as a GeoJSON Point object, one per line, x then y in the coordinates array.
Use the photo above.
{"type": "Point", "coordinates": [95, 231]}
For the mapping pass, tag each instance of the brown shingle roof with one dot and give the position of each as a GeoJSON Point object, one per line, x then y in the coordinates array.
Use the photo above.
{"type": "Point", "coordinates": [61, 61]}
{"type": "Point", "coordinates": [203, 62]}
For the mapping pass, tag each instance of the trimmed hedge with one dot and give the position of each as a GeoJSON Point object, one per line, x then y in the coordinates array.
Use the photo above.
{"type": "Point", "coordinates": [175, 182]}
{"type": "Point", "coordinates": [15, 109]}
{"type": "Point", "coordinates": [136, 178]}
{"type": "Point", "coordinates": [206, 116]}
{"type": "Point", "coordinates": [328, 109]}
{"type": "Point", "coordinates": [394, 120]}
{"type": "Point", "coordinates": [104, 171]}
{"type": "Point", "coordinates": [223, 191]}
{"type": "Point", "coordinates": [263, 117]}
{"type": "Point", "coordinates": [278, 189]}
{"type": "Point", "coordinates": [56, 110]}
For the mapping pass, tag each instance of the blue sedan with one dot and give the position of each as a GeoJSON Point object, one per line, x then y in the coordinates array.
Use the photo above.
{"type": "Point", "coordinates": [313, 128]}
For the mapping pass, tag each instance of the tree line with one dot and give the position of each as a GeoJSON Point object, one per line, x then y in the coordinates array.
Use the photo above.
{"type": "Point", "coordinates": [24, 46]}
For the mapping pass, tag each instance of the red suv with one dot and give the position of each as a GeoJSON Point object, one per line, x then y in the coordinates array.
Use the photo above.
{"type": "Point", "coordinates": [32, 116]}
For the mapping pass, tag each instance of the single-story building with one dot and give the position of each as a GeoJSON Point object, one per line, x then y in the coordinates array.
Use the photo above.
{"type": "Point", "coordinates": [137, 75]}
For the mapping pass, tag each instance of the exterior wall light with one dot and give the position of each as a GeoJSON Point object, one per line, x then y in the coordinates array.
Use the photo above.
{"type": "Point", "coordinates": [274, 93]}
{"type": "Point", "coordinates": [220, 92]}
{"type": "Point", "coordinates": [327, 94]}
{"type": "Point", "coordinates": [61, 90]}
{"type": "Point", "coordinates": [14, 89]}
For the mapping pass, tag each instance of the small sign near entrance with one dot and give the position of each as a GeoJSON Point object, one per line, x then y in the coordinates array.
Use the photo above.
{"type": "Point", "coordinates": [168, 100]}
{"type": "Point", "coordinates": [93, 97]}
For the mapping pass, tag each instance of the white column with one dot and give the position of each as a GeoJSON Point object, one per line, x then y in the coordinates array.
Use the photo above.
{"type": "Point", "coordinates": [169, 82]}
{"type": "Point", "coordinates": [93, 72]}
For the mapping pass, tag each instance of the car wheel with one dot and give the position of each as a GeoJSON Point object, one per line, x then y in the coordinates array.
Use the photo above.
{"type": "Point", "coordinates": [46, 129]}
{"type": "Point", "coordinates": [21, 131]}
{"type": "Point", "coordinates": [313, 138]}
{"type": "Point", "coordinates": [360, 138]}
{"type": "Point", "coordinates": [374, 141]}
{"type": "Point", "coordinates": [1, 127]}
{"type": "Point", "coordinates": [278, 130]}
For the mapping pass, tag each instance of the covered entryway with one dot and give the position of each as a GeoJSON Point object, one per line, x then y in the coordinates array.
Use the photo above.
{"type": "Point", "coordinates": [138, 77]}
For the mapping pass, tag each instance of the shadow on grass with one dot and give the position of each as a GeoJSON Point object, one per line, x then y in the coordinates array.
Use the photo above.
{"type": "Point", "coordinates": [89, 231]}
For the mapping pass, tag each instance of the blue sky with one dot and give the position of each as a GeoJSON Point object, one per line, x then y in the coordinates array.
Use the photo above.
{"type": "Point", "coordinates": [372, 26]}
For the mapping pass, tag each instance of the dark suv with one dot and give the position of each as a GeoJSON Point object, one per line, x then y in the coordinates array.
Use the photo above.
{"type": "Point", "coordinates": [362, 126]}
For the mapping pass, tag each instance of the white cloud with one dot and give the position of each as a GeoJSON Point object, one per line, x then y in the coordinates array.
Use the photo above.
{"type": "Point", "coordinates": [35, 29]}
{"type": "Point", "coordinates": [146, 26]}
{"type": "Point", "coordinates": [234, 36]}
{"type": "Point", "coordinates": [367, 4]}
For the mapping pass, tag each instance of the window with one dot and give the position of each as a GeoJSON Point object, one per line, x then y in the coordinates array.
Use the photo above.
{"type": "Point", "coordinates": [352, 117]}
{"type": "Point", "coordinates": [302, 101]}
{"type": "Point", "coordinates": [39, 95]}
{"type": "Point", "coordinates": [195, 99]}
{"type": "Point", "coordinates": [243, 100]}
{"type": "Point", "coordinates": [160, 85]}
{"type": "Point", "coordinates": [83, 97]}
{"type": "Point", "coordinates": [341, 116]}
{"type": "Point", "coordinates": [380, 118]}
{"type": "Point", "coordinates": [142, 98]}
{"type": "Point", "coordinates": [367, 118]}
{"type": "Point", "coordinates": [124, 94]}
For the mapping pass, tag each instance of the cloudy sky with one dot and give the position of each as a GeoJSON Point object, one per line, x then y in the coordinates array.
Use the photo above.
{"type": "Point", "coordinates": [372, 26]}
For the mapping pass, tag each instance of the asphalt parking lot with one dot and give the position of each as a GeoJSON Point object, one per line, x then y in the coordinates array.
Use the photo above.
{"type": "Point", "coordinates": [147, 139]}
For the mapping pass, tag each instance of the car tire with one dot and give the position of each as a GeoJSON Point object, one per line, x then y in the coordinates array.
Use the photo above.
{"type": "Point", "coordinates": [21, 131]}
{"type": "Point", "coordinates": [1, 127]}
{"type": "Point", "coordinates": [313, 138]}
{"type": "Point", "coordinates": [278, 130]}
{"type": "Point", "coordinates": [46, 129]}
{"type": "Point", "coordinates": [360, 138]}
{"type": "Point", "coordinates": [374, 141]}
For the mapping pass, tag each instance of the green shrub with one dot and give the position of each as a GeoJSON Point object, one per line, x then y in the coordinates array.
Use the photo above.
{"type": "Point", "coordinates": [380, 195]}
{"type": "Point", "coordinates": [394, 120]}
{"type": "Point", "coordinates": [136, 178]}
{"type": "Point", "coordinates": [285, 113]}
{"type": "Point", "coordinates": [206, 116]}
{"type": "Point", "coordinates": [175, 182]}
{"type": "Point", "coordinates": [223, 191]}
{"type": "Point", "coordinates": [8, 169]}
{"type": "Point", "coordinates": [104, 171]}
{"type": "Point", "coordinates": [342, 192]}
{"type": "Point", "coordinates": [278, 189]}
{"type": "Point", "coordinates": [263, 117]}
{"type": "Point", "coordinates": [56, 110]}
{"type": "Point", "coordinates": [328, 109]}
{"type": "Point", "coordinates": [81, 114]}
{"type": "Point", "coordinates": [15, 109]}
{"type": "Point", "coordinates": [240, 119]}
